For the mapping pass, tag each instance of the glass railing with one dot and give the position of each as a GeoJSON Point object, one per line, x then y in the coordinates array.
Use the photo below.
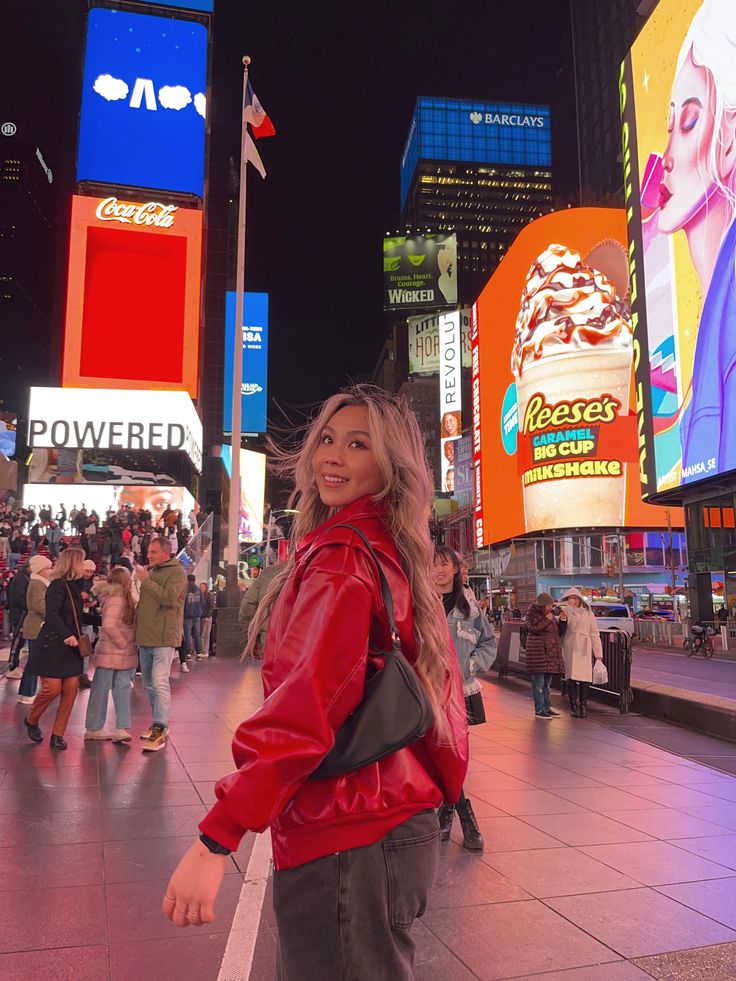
{"type": "Point", "coordinates": [196, 556]}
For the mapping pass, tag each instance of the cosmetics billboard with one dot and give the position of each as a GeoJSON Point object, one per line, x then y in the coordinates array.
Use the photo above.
{"type": "Point", "coordinates": [678, 101]}
{"type": "Point", "coordinates": [554, 423]}
{"type": "Point", "coordinates": [133, 295]}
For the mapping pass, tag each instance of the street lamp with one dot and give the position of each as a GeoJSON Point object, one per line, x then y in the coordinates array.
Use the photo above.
{"type": "Point", "coordinates": [272, 515]}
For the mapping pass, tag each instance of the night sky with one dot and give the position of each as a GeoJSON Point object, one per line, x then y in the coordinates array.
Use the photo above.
{"type": "Point", "coordinates": [339, 80]}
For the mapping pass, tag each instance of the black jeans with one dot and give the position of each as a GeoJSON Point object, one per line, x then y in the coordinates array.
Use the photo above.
{"type": "Point", "coordinates": [348, 916]}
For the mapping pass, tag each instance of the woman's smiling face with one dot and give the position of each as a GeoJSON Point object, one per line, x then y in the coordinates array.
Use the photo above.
{"type": "Point", "coordinates": [345, 466]}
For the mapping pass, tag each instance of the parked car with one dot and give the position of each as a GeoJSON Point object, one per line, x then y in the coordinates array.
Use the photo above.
{"type": "Point", "coordinates": [655, 615]}
{"type": "Point", "coordinates": [613, 616]}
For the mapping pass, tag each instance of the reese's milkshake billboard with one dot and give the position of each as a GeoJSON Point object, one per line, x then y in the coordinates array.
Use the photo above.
{"type": "Point", "coordinates": [557, 442]}
{"type": "Point", "coordinates": [679, 153]}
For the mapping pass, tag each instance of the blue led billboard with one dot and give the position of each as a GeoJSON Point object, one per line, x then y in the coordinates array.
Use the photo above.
{"type": "Point", "coordinates": [204, 5]}
{"type": "Point", "coordinates": [476, 132]}
{"type": "Point", "coordinates": [142, 120]}
{"type": "Point", "coordinates": [255, 362]}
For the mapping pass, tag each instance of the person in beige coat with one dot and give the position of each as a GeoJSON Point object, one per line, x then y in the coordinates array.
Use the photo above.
{"type": "Point", "coordinates": [581, 644]}
{"type": "Point", "coordinates": [115, 658]}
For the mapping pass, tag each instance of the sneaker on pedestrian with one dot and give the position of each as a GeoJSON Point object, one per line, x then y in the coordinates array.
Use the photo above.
{"type": "Point", "coordinates": [553, 714]}
{"type": "Point", "coordinates": [15, 675]}
{"type": "Point", "coordinates": [156, 741]}
{"type": "Point", "coordinates": [121, 736]}
{"type": "Point", "coordinates": [26, 699]}
{"type": "Point", "coordinates": [184, 667]}
{"type": "Point", "coordinates": [147, 733]}
{"type": "Point", "coordinates": [198, 657]}
{"type": "Point", "coordinates": [542, 715]}
{"type": "Point", "coordinates": [101, 734]}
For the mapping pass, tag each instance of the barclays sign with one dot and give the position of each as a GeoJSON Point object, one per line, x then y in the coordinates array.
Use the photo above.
{"type": "Point", "coordinates": [143, 102]}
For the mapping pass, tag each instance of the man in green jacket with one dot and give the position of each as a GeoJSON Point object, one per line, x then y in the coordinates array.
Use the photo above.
{"type": "Point", "coordinates": [159, 632]}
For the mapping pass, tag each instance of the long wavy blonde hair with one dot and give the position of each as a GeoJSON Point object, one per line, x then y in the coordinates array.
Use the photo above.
{"type": "Point", "coordinates": [408, 493]}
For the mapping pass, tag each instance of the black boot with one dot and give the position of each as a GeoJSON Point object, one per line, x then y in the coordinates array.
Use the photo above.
{"type": "Point", "coordinates": [573, 696]}
{"type": "Point", "coordinates": [583, 700]}
{"type": "Point", "coordinates": [446, 813]}
{"type": "Point", "coordinates": [58, 742]}
{"type": "Point", "coordinates": [472, 838]}
{"type": "Point", "coordinates": [34, 732]}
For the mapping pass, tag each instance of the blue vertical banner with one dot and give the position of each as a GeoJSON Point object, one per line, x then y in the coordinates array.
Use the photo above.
{"type": "Point", "coordinates": [255, 362]}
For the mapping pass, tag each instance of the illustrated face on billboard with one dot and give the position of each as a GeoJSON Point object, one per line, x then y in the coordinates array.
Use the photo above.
{"type": "Point", "coordinates": [555, 433]}
{"type": "Point", "coordinates": [143, 110]}
{"type": "Point", "coordinates": [419, 272]}
{"type": "Point", "coordinates": [677, 98]}
{"type": "Point", "coordinates": [101, 498]}
{"type": "Point", "coordinates": [133, 299]}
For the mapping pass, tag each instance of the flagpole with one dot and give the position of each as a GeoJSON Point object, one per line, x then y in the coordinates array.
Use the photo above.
{"type": "Point", "coordinates": [233, 526]}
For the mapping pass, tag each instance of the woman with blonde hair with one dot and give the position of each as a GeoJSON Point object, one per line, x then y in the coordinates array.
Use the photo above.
{"type": "Point", "coordinates": [115, 658]}
{"type": "Point", "coordinates": [354, 854]}
{"type": "Point", "coordinates": [55, 656]}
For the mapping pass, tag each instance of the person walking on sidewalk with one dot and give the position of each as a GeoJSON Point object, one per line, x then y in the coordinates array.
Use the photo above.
{"type": "Point", "coordinates": [362, 846]}
{"type": "Point", "coordinates": [55, 658]}
{"type": "Point", "coordinates": [193, 608]}
{"type": "Point", "coordinates": [581, 644]}
{"type": "Point", "coordinates": [206, 618]}
{"type": "Point", "coordinates": [17, 609]}
{"type": "Point", "coordinates": [543, 652]}
{"type": "Point", "coordinates": [251, 601]}
{"type": "Point", "coordinates": [115, 658]}
{"type": "Point", "coordinates": [475, 647]}
{"type": "Point", "coordinates": [159, 632]}
{"type": "Point", "coordinates": [40, 567]}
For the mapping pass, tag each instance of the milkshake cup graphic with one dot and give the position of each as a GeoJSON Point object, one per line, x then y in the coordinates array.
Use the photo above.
{"type": "Point", "coordinates": [572, 361]}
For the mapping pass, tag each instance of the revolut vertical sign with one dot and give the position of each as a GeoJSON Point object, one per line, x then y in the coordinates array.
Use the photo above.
{"type": "Point", "coordinates": [451, 421]}
{"type": "Point", "coordinates": [254, 389]}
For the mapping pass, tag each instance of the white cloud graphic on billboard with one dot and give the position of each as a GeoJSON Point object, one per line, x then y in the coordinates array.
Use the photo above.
{"type": "Point", "coordinates": [174, 97]}
{"type": "Point", "coordinates": [110, 88]}
{"type": "Point", "coordinates": [200, 104]}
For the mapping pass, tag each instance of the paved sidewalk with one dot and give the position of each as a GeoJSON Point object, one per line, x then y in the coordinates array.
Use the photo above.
{"type": "Point", "coordinates": [607, 859]}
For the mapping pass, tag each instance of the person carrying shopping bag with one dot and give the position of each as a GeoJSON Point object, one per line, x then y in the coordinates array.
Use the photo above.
{"type": "Point", "coordinates": [57, 657]}
{"type": "Point", "coordinates": [115, 658]}
{"type": "Point", "coordinates": [581, 645]}
{"type": "Point", "coordinates": [475, 647]}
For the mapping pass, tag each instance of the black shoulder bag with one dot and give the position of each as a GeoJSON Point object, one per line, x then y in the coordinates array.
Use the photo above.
{"type": "Point", "coordinates": [395, 711]}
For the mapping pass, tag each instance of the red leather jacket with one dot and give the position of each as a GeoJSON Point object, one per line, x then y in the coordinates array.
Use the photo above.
{"type": "Point", "coordinates": [328, 615]}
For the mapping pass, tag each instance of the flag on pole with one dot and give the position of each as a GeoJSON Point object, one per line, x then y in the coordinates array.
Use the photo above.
{"type": "Point", "coordinates": [254, 156]}
{"type": "Point", "coordinates": [255, 114]}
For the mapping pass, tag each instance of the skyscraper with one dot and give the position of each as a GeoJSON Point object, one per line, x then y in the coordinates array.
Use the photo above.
{"type": "Point", "coordinates": [481, 169]}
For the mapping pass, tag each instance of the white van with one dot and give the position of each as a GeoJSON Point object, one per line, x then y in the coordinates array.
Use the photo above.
{"type": "Point", "coordinates": [612, 615]}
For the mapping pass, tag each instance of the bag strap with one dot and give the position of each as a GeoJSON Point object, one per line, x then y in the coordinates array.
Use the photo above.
{"type": "Point", "coordinates": [74, 609]}
{"type": "Point", "coordinates": [385, 588]}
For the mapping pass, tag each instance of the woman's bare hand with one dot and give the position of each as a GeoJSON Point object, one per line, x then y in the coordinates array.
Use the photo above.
{"type": "Point", "coordinates": [190, 896]}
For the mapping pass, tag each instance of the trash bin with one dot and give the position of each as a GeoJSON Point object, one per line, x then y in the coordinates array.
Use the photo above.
{"type": "Point", "coordinates": [617, 659]}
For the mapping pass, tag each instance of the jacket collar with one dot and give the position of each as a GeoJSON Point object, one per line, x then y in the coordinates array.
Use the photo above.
{"type": "Point", "coordinates": [168, 564]}
{"type": "Point", "coordinates": [363, 507]}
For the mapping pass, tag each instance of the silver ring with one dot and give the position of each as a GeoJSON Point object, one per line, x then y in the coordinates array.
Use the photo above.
{"type": "Point", "coordinates": [193, 916]}
{"type": "Point", "coordinates": [168, 899]}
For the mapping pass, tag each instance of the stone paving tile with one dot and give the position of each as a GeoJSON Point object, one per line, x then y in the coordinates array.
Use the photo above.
{"type": "Point", "coordinates": [604, 798]}
{"type": "Point", "coordinates": [64, 916]}
{"type": "Point", "coordinates": [681, 798]}
{"type": "Point", "coordinates": [433, 960]}
{"type": "Point", "coordinates": [521, 802]}
{"type": "Point", "coordinates": [60, 964]}
{"type": "Point", "coordinates": [665, 823]}
{"type": "Point", "coordinates": [558, 872]}
{"type": "Point", "coordinates": [703, 964]}
{"type": "Point", "coordinates": [506, 834]}
{"type": "Point", "coordinates": [483, 783]}
{"type": "Point", "coordinates": [722, 813]}
{"type": "Point", "coordinates": [716, 899]}
{"type": "Point", "coordinates": [585, 828]}
{"type": "Point", "coordinates": [721, 850]}
{"type": "Point", "coordinates": [149, 822]}
{"type": "Point", "coordinates": [465, 880]}
{"type": "Point", "coordinates": [68, 828]}
{"type": "Point", "coordinates": [618, 971]}
{"type": "Point", "coordinates": [39, 866]}
{"type": "Point", "coordinates": [683, 776]}
{"type": "Point", "coordinates": [534, 939]}
{"type": "Point", "coordinates": [656, 863]}
{"type": "Point", "coordinates": [174, 957]}
{"type": "Point", "coordinates": [720, 789]}
{"type": "Point", "coordinates": [147, 858]}
{"type": "Point", "coordinates": [119, 795]}
{"type": "Point", "coordinates": [639, 922]}
{"type": "Point", "coordinates": [34, 800]}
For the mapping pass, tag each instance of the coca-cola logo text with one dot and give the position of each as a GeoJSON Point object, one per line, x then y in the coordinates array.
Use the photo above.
{"type": "Point", "coordinates": [152, 213]}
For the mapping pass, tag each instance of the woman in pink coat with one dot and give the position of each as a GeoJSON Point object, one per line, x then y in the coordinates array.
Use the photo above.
{"type": "Point", "coordinates": [115, 659]}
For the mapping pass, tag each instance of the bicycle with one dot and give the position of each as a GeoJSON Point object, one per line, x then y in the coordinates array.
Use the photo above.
{"type": "Point", "coordinates": [699, 642]}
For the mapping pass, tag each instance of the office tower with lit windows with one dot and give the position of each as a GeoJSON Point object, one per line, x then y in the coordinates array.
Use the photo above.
{"type": "Point", "coordinates": [480, 169]}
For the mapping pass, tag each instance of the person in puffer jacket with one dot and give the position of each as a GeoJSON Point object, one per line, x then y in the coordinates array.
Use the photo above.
{"type": "Point", "coordinates": [115, 658]}
{"type": "Point", "coordinates": [544, 651]}
{"type": "Point", "coordinates": [355, 854]}
{"type": "Point", "coordinates": [475, 647]}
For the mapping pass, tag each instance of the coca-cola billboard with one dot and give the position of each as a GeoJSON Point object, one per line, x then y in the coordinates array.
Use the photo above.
{"type": "Point", "coordinates": [133, 299]}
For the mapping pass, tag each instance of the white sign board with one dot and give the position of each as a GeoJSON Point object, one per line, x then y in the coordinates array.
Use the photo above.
{"type": "Point", "coordinates": [114, 419]}
{"type": "Point", "coordinates": [451, 405]}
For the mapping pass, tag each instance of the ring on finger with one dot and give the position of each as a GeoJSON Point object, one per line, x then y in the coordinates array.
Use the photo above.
{"type": "Point", "coordinates": [193, 916]}
{"type": "Point", "coordinates": [169, 899]}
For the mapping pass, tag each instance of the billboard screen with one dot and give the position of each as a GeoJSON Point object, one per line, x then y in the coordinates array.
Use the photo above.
{"type": "Point", "coordinates": [206, 6]}
{"type": "Point", "coordinates": [419, 272]}
{"type": "Point", "coordinates": [424, 342]}
{"type": "Point", "coordinates": [676, 91]}
{"type": "Point", "coordinates": [252, 492]}
{"type": "Point", "coordinates": [142, 119]}
{"type": "Point", "coordinates": [255, 362]}
{"type": "Point", "coordinates": [451, 396]}
{"type": "Point", "coordinates": [476, 132]}
{"type": "Point", "coordinates": [8, 430]}
{"type": "Point", "coordinates": [556, 443]}
{"type": "Point", "coordinates": [133, 295]}
{"type": "Point", "coordinates": [102, 497]}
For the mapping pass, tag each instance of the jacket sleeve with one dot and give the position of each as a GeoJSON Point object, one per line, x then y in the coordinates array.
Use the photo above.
{"type": "Point", "coordinates": [55, 598]}
{"type": "Point", "coordinates": [485, 652]}
{"type": "Point", "coordinates": [537, 624]}
{"type": "Point", "coordinates": [169, 595]}
{"type": "Point", "coordinates": [36, 599]}
{"type": "Point", "coordinates": [595, 637]}
{"type": "Point", "coordinates": [249, 603]}
{"type": "Point", "coordinates": [286, 739]}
